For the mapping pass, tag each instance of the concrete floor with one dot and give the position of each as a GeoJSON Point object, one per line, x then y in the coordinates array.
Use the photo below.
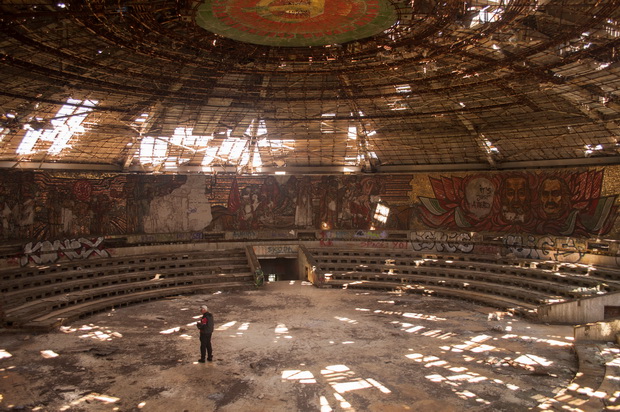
{"type": "Point", "coordinates": [291, 347]}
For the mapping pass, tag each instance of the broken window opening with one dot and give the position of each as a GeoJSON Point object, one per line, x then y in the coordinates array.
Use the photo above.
{"type": "Point", "coordinates": [260, 131]}
{"type": "Point", "coordinates": [153, 150]}
{"type": "Point", "coordinates": [67, 122]}
{"type": "Point", "coordinates": [352, 133]}
{"type": "Point", "coordinates": [403, 88]}
{"type": "Point", "coordinates": [210, 156]}
{"type": "Point", "coordinates": [490, 147]}
{"type": "Point", "coordinates": [381, 213]}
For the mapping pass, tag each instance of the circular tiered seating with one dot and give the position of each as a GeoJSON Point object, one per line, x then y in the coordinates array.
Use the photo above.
{"type": "Point", "coordinates": [43, 297]}
{"type": "Point", "coordinates": [519, 285]}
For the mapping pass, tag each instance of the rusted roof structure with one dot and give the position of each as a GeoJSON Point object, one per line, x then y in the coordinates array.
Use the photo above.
{"type": "Point", "coordinates": [315, 86]}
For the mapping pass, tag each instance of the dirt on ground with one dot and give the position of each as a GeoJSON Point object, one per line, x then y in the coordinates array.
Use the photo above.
{"type": "Point", "coordinates": [289, 346]}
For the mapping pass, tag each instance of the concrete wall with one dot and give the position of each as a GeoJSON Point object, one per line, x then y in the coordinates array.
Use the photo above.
{"type": "Point", "coordinates": [577, 312]}
{"type": "Point", "coordinates": [600, 331]}
{"type": "Point", "coordinates": [308, 267]}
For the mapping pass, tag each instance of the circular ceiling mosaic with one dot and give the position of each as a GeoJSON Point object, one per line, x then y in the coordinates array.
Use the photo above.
{"type": "Point", "coordinates": [296, 23]}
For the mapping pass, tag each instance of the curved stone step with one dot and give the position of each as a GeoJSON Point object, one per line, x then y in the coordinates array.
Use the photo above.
{"type": "Point", "coordinates": [596, 386]}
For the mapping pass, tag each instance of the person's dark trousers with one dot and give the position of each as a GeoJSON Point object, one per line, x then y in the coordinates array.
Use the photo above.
{"type": "Point", "coordinates": [205, 346]}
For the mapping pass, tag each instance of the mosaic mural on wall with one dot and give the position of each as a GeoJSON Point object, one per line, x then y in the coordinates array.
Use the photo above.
{"type": "Point", "coordinates": [38, 206]}
{"type": "Point", "coordinates": [328, 202]}
{"type": "Point", "coordinates": [563, 203]}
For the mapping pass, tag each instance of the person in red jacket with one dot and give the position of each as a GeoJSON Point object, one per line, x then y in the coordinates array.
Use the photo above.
{"type": "Point", "coordinates": [205, 325]}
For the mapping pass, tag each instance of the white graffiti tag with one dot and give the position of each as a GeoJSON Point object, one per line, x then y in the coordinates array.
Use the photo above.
{"type": "Point", "coordinates": [442, 242]}
{"type": "Point", "coordinates": [71, 249]}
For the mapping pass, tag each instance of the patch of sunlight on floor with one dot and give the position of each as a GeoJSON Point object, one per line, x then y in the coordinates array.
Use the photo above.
{"type": "Point", "coordinates": [378, 385]}
{"type": "Point", "coordinates": [170, 331]}
{"type": "Point", "coordinates": [354, 385]}
{"type": "Point", "coordinates": [550, 342]}
{"type": "Point", "coordinates": [533, 360]}
{"type": "Point", "coordinates": [298, 375]}
{"type": "Point", "coordinates": [49, 354]}
{"type": "Point", "coordinates": [343, 380]}
{"type": "Point", "coordinates": [422, 316]}
{"type": "Point", "coordinates": [475, 345]}
{"type": "Point", "coordinates": [353, 321]}
{"type": "Point", "coordinates": [325, 404]}
{"type": "Point", "coordinates": [227, 325]}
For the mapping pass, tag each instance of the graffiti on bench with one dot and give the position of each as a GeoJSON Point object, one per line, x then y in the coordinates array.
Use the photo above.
{"type": "Point", "coordinates": [71, 249]}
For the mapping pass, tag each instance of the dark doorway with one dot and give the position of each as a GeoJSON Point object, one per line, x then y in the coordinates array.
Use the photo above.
{"type": "Point", "coordinates": [282, 268]}
{"type": "Point", "coordinates": [611, 312]}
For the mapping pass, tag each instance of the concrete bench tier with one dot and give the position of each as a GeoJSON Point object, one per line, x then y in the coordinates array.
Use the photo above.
{"type": "Point", "coordinates": [165, 260]}
{"type": "Point", "coordinates": [527, 269]}
{"type": "Point", "coordinates": [595, 387]}
{"type": "Point", "coordinates": [23, 313]}
{"type": "Point", "coordinates": [580, 270]}
{"type": "Point", "coordinates": [526, 281]}
{"type": "Point", "coordinates": [598, 271]}
{"type": "Point", "coordinates": [511, 292]}
{"type": "Point", "coordinates": [64, 284]}
{"type": "Point", "coordinates": [570, 286]}
{"type": "Point", "coordinates": [335, 253]}
{"type": "Point", "coordinates": [55, 318]}
{"type": "Point", "coordinates": [32, 291]}
{"type": "Point", "coordinates": [501, 302]}
{"type": "Point", "coordinates": [46, 278]}
{"type": "Point", "coordinates": [395, 273]}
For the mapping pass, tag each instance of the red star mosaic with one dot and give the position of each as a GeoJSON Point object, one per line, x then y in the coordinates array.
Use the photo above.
{"type": "Point", "coordinates": [296, 22]}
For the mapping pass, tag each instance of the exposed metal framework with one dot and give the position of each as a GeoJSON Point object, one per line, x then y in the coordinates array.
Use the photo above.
{"type": "Point", "coordinates": [481, 84]}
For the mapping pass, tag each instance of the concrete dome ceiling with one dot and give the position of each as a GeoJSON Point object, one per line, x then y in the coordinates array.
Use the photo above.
{"type": "Point", "coordinates": [331, 86]}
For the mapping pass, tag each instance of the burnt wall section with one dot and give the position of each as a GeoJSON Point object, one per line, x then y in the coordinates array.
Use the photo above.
{"type": "Point", "coordinates": [43, 206]}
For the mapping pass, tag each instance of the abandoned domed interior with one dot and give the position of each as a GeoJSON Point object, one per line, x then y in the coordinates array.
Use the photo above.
{"type": "Point", "coordinates": [445, 172]}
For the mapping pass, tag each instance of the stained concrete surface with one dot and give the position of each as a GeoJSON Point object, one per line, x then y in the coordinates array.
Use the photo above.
{"type": "Point", "coordinates": [291, 347]}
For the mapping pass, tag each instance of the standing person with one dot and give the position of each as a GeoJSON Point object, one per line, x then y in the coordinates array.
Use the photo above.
{"type": "Point", "coordinates": [205, 325]}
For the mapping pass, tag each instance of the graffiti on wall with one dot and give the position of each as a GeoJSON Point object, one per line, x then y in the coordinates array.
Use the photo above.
{"type": "Point", "coordinates": [546, 247]}
{"type": "Point", "coordinates": [442, 242]}
{"type": "Point", "coordinates": [46, 252]}
{"type": "Point", "coordinates": [562, 204]}
{"type": "Point", "coordinates": [271, 251]}
{"type": "Point", "coordinates": [561, 249]}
